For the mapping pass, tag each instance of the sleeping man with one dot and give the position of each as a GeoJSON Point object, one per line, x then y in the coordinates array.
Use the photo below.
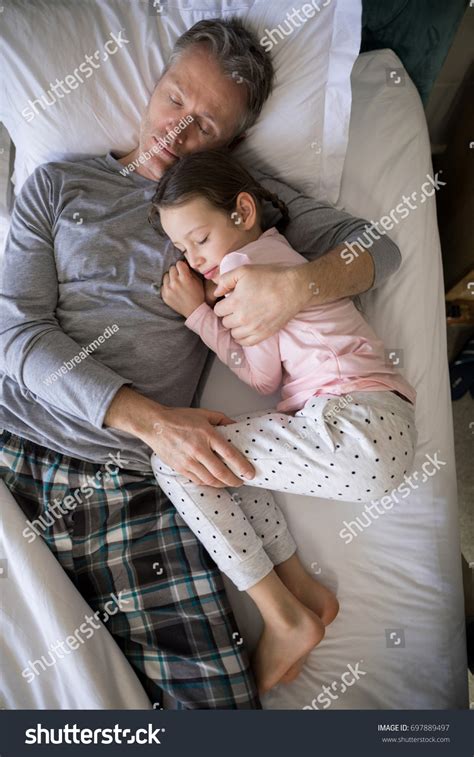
{"type": "Point", "coordinates": [96, 368]}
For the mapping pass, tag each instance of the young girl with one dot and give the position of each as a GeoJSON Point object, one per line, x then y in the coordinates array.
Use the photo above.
{"type": "Point", "coordinates": [344, 429]}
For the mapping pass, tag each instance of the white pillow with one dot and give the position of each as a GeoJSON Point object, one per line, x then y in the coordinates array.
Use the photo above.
{"type": "Point", "coordinates": [302, 134]}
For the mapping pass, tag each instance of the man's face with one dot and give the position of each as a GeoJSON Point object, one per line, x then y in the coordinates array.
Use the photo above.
{"type": "Point", "coordinates": [194, 86]}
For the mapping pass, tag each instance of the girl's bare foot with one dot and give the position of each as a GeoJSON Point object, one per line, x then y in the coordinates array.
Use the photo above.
{"type": "Point", "coordinates": [284, 643]}
{"type": "Point", "coordinates": [317, 598]}
{"type": "Point", "coordinates": [294, 671]}
{"type": "Point", "coordinates": [308, 590]}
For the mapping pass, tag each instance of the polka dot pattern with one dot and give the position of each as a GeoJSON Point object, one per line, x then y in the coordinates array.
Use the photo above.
{"type": "Point", "coordinates": [296, 455]}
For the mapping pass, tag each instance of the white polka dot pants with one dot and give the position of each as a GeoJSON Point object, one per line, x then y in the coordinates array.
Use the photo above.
{"type": "Point", "coordinates": [355, 447]}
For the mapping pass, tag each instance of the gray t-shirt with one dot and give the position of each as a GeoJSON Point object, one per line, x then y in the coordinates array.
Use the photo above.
{"type": "Point", "coordinates": [79, 316]}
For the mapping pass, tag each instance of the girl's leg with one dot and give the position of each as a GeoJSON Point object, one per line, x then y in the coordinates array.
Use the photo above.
{"type": "Point", "coordinates": [260, 508]}
{"type": "Point", "coordinates": [257, 503]}
{"type": "Point", "coordinates": [311, 594]}
{"type": "Point", "coordinates": [352, 450]}
{"type": "Point", "coordinates": [238, 533]}
{"type": "Point", "coordinates": [290, 632]}
{"type": "Point", "coordinates": [307, 589]}
{"type": "Point", "coordinates": [244, 531]}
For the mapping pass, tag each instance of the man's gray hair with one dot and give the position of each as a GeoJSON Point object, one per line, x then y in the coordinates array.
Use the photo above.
{"type": "Point", "coordinates": [240, 55]}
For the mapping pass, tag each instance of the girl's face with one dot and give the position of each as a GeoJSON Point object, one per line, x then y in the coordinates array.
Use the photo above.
{"type": "Point", "coordinates": [206, 234]}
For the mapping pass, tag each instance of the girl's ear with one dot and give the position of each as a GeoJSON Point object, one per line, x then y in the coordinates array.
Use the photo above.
{"type": "Point", "coordinates": [247, 210]}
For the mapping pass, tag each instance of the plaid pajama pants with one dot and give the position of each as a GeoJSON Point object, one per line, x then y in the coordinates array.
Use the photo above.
{"type": "Point", "coordinates": [120, 535]}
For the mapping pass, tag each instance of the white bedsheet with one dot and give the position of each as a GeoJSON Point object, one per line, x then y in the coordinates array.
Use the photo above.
{"type": "Point", "coordinates": [401, 625]}
{"type": "Point", "coordinates": [40, 606]}
{"type": "Point", "coordinates": [402, 574]}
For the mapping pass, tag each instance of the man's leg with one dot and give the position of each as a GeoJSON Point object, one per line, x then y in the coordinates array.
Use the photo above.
{"type": "Point", "coordinates": [130, 548]}
{"type": "Point", "coordinates": [175, 624]}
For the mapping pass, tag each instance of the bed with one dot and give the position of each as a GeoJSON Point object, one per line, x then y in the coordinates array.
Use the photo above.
{"type": "Point", "coordinates": [398, 642]}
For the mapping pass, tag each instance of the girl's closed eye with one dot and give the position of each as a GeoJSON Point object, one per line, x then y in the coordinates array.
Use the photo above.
{"type": "Point", "coordinates": [204, 240]}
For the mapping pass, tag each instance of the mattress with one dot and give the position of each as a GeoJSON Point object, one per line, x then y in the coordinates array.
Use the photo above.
{"type": "Point", "coordinates": [399, 579]}
{"type": "Point", "coordinates": [398, 642]}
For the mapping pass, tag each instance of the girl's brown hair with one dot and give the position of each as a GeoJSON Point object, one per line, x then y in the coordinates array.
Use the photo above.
{"type": "Point", "coordinates": [217, 177]}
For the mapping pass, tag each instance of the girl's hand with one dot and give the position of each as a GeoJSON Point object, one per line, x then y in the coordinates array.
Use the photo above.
{"type": "Point", "coordinates": [181, 289]}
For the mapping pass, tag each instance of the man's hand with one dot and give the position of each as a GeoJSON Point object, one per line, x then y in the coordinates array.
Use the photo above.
{"type": "Point", "coordinates": [209, 290]}
{"type": "Point", "coordinates": [182, 289]}
{"type": "Point", "coordinates": [265, 297]}
{"type": "Point", "coordinates": [184, 438]}
{"type": "Point", "coordinates": [187, 440]}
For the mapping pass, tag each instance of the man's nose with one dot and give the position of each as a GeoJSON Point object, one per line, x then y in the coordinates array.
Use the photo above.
{"type": "Point", "coordinates": [179, 137]}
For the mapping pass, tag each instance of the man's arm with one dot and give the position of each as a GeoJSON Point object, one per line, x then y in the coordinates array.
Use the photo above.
{"type": "Point", "coordinates": [264, 298]}
{"type": "Point", "coordinates": [34, 350]}
{"type": "Point", "coordinates": [317, 229]}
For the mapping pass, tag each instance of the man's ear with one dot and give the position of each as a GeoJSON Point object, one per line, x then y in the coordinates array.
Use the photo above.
{"type": "Point", "coordinates": [236, 141]}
